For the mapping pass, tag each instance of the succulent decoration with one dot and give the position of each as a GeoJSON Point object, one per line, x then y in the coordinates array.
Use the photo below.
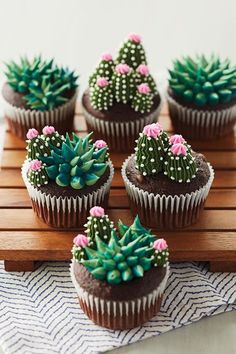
{"type": "Point", "coordinates": [155, 153]}
{"type": "Point", "coordinates": [45, 85]}
{"type": "Point", "coordinates": [121, 258]}
{"type": "Point", "coordinates": [203, 81]}
{"type": "Point", "coordinates": [119, 80]}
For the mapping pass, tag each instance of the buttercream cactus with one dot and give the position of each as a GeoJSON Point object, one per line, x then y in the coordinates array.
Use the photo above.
{"type": "Point", "coordinates": [142, 75]}
{"type": "Point", "coordinates": [179, 164]}
{"type": "Point", "coordinates": [132, 51]}
{"type": "Point", "coordinates": [203, 80]}
{"type": "Point", "coordinates": [80, 241]}
{"type": "Point", "coordinates": [37, 173]}
{"type": "Point", "coordinates": [101, 94]}
{"type": "Point", "coordinates": [51, 136]}
{"type": "Point", "coordinates": [161, 253]}
{"type": "Point", "coordinates": [142, 100]}
{"type": "Point", "coordinates": [36, 145]}
{"type": "Point", "coordinates": [123, 83]}
{"type": "Point", "coordinates": [104, 69]}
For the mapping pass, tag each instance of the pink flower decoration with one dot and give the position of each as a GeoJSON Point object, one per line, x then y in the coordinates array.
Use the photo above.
{"type": "Point", "coordinates": [100, 144]}
{"type": "Point", "coordinates": [81, 240]}
{"type": "Point", "coordinates": [178, 149]}
{"type": "Point", "coordinates": [97, 211]}
{"type": "Point", "coordinates": [122, 69]}
{"type": "Point", "coordinates": [134, 37]}
{"type": "Point", "coordinates": [106, 56]}
{"type": "Point", "coordinates": [32, 133]}
{"type": "Point", "coordinates": [102, 82]}
{"type": "Point", "coordinates": [152, 130]}
{"type": "Point", "coordinates": [176, 139]}
{"type": "Point", "coordinates": [143, 88]}
{"type": "Point", "coordinates": [143, 69]}
{"type": "Point", "coordinates": [48, 130]}
{"type": "Point", "coordinates": [160, 244]}
{"type": "Point", "coordinates": [35, 165]}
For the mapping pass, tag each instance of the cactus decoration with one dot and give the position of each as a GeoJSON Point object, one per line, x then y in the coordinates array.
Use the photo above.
{"type": "Point", "coordinates": [120, 259]}
{"type": "Point", "coordinates": [52, 137]}
{"type": "Point", "coordinates": [203, 81]}
{"type": "Point", "coordinates": [36, 145]}
{"type": "Point", "coordinates": [156, 153]}
{"type": "Point", "coordinates": [37, 173]}
{"type": "Point", "coordinates": [119, 80]}
{"type": "Point", "coordinates": [45, 85]}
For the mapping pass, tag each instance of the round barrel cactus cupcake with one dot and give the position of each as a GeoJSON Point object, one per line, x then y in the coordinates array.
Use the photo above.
{"type": "Point", "coordinates": [122, 96]}
{"type": "Point", "coordinates": [65, 177]}
{"type": "Point", "coordinates": [119, 275]}
{"type": "Point", "coordinates": [202, 97]}
{"type": "Point", "coordinates": [37, 93]}
{"type": "Point", "coordinates": [167, 182]}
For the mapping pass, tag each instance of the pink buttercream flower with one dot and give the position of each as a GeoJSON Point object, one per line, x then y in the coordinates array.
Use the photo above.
{"type": "Point", "coordinates": [97, 211]}
{"type": "Point", "coordinates": [176, 139]}
{"type": "Point", "coordinates": [143, 69]}
{"type": "Point", "coordinates": [160, 244]}
{"type": "Point", "coordinates": [32, 133]}
{"type": "Point", "coordinates": [152, 130]}
{"type": "Point", "coordinates": [100, 144]}
{"type": "Point", "coordinates": [102, 82]}
{"type": "Point", "coordinates": [35, 165]}
{"type": "Point", "coordinates": [134, 37]}
{"type": "Point", "coordinates": [143, 88]}
{"type": "Point", "coordinates": [48, 130]}
{"type": "Point", "coordinates": [122, 68]}
{"type": "Point", "coordinates": [81, 240]}
{"type": "Point", "coordinates": [178, 149]}
{"type": "Point", "coordinates": [106, 56]}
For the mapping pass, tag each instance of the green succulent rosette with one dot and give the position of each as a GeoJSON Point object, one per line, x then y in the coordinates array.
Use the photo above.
{"type": "Point", "coordinates": [203, 81]}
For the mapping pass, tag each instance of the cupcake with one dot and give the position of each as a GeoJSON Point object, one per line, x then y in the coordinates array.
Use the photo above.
{"type": "Point", "coordinates": [166, 181]}
{"type": "Point", "coordinates": [202, 97]}
{"type": "Point", "coordinates": [37, 93]}
{"type": "Point", "coordinates": [66, 176]}
{"type": "Point", "coordinates": [119, 275]}
{"type": "Point", "coordinates": [122, 96]}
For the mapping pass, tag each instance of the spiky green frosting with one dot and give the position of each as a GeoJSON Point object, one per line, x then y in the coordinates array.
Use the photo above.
{"type": "Point", "coordinates": [203, 81]}
{"type": "Point", "coordinates": [44, 84]}
{"type": "Point", "coordinates": [119, 259]}
{"type": "Point", "coordinates": [132, 52]}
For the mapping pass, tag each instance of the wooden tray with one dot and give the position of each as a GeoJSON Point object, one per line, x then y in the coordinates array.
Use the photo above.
{"type": "Point", "coordinates": [24, 239]}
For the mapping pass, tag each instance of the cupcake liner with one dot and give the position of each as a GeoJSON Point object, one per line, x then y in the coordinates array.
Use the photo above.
{"type": "Point", "coordinates": [66, 212]}
{"type": "Point", "coordinates": [120, 314]}
{"type": "Point", "coordinates": [166, 212]}
{"type": "Point", "coordinates": [120, 136]}
{"type": "Point", "coordinates": [200, 124]}
{"type": "Point", "coordinates": [20, 120]}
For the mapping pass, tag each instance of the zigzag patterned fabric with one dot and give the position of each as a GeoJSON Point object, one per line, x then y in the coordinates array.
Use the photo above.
{"type": "Point", "coordinates": [39, 312]}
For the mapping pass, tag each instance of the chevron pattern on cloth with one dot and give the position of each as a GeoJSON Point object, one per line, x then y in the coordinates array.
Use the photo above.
{"type": "Point", "coordinates": [39, 311]}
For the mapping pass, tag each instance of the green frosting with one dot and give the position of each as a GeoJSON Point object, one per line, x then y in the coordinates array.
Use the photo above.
{"type": "Point", "coordinates": [98, 226]}
{"type": "Point", "coordinates": [160, 258]}
{"type": "Point", "coordinates": [37, 147]}
{"type": "Point", "coordinates": [203, 81]}
{"type": "Point", "coordinates": [44, 84]}
{"type": "Point", "coordinates": [104, 69]}
{"type": "Point", "coordinates": [132, 53]}
{"type": "Point", "coordinates": [123, 86]}
{"type": "Point", "coordinates": [38, 178]}
{"type": "Point", "coordinates": [76, 163]}
{"type": "Point", "coordinates": [101, 97]}
{"type": "Point", "coordinates": [54, 139]}
{"type": "Point", "coordinates": [142, 102]}
{"type": "Point", "coordinates": [146, 79]}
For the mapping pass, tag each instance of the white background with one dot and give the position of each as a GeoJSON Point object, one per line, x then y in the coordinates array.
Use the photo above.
{"type": "Point", "coordinates": [76, 32]}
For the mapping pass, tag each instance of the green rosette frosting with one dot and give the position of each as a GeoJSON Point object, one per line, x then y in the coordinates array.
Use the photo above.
{"type": "Point", "coordinates": [203, 81]}
{"type": "Point", "coordinates": [104, 69]}
{"type": "Point", "coordinates": [132, 52]}
{"type": "Point", "coordinates": [101, 95]}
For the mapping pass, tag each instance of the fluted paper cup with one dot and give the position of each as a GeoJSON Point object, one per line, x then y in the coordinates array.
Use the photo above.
{"type": "Point", "coordinates": [20, 120]}
{"type": "Point", "coordinates": [166, 212]}
{"type": "Point", "coordinates": [66, 212]}
{"type": "Point", "coordinates": [120, 314]}
{"type": "Point", "coordinates": [201, 124]}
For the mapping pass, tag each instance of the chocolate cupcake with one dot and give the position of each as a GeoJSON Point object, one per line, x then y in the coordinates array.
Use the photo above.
{"type": "Point", "coordinates": [202, 97]}
{"type": "Point", "coordinates": [167, 182]}
{"type": "Point", "coordinates": [120, 276]}
{"type": "Point", "coordinates": [66, 177]}
{"type": "Point", "coordinates": [122, 97]}
{"type": "Point", "coordinates": [37, 93]}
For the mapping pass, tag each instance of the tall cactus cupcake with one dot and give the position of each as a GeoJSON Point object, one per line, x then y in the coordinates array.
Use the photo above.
{"type": "Point", "coordinates": [65, 177]}
{"type": "Point", "coordinates": [167, 182]}
{"type": "Point", "coordinates": [122, 96]}
{"type": "Point", "coordinates": [119, 275]}
{"type": "Point", "coordinates": [202, 97]}
{"type": "Point", "coordinates": [37, 93]}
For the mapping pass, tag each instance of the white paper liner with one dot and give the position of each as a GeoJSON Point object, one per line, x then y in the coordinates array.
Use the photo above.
{"type": "Point", "coordinates": [166, 204]}
{"type": "Point", "coordinates": [201, 123]}
{"type": "Point", "coordinates": [68, 205]}
{"type": "Point", "coordinates": [26, 118]}
{"type": "Point", "coordinates": [123, 308]}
